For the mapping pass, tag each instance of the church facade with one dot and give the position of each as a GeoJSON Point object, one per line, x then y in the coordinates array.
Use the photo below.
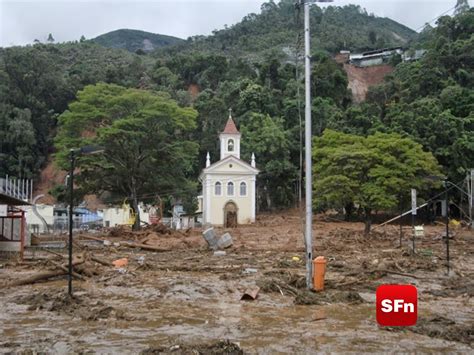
{"type": "Point", "coordinates": [229, 185]}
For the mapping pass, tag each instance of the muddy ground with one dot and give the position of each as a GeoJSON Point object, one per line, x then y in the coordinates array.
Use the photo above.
{"type": "Point", "coordinates": [187, 300]}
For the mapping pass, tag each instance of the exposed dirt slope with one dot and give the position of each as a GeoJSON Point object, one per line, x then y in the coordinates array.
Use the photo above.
{"type": "Point", "coordinates": [360, 79]}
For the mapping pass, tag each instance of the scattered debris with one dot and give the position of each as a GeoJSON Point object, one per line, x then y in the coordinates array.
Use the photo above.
{"type": "Point", "coordinates": [214, 242]}
{"type": "Point", "coordinates": [175, 271]}
{"type": "Point", "coordinates": [225, 241]}
{"type": "Point", "coordinates": [210, 237]}
{"type": "Point", "coordinates": [437, 326]}
{"type": "Point", "coordinates": [308, 297]}
{"type": "Point", "coordinates": [320, 314]}
{"type": "Point", "coordinates": [223, 347]}
{"type": "Point", "coordinates": [250, 270]}
{"type": "Point", "coordinates": [78, 306]}
{"type": "Point", "coordinates": [120, 263]}
{"type": "Point", "coordinates": [250, 293]}
{"type": "Point", "coordinates": [440, 327]}
{"type": "Point", "coordinates": [45, 275]}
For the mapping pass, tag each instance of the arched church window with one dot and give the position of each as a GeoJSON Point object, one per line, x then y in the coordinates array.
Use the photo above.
{"type": "Point", "coordinates": [218, 189]}
{"type": "Point", "coordinates": [230, 145]}
{"type": "Point", "coordinates": [243, 189]}
{"type": "Point", "coordinates": [230, 188]}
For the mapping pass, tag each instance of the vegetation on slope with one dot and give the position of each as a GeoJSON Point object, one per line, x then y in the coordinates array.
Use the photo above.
{"type": "Point", "coordinates": [279, 25]}
{"type": "Point", "coordinates": [135, 40]}
{"type": "Point", "coordinates": [429, 102]}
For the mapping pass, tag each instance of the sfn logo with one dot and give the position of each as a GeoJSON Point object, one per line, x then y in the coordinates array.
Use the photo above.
{"type": "Point", "coordinates": [397, 305]}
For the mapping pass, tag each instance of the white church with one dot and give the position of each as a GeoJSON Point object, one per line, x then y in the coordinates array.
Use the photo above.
{"type": "Point", "coordinates": [228, 185]}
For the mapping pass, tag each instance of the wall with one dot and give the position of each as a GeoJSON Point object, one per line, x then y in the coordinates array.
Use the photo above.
{"type": "Point", "coordinates": [217, 203]}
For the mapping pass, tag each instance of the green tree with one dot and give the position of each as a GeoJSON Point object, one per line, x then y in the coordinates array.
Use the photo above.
{"type": "Point", "coordinates": [17, 143]}
{"type": "Point", "coordinates": [431, 100]}
{"type": "Point", "coordinates": [329, 80]}
{"type": "Point", "coordinates": [372, 37]}
{"type": "Point", "coordinates": [266, 137]}
{"type": "Point", "coordinates": [145, 139]}
{"type": "Point", "coordinates": [373, 173]}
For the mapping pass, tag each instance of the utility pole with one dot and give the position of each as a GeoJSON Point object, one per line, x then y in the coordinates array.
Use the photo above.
{"type": "Point", "coordinates": [308, 156]}
{"type": "Point", "coordinates": [308, 162]}
{"type": "Point", "coordinates": [72, 160]}
{"type": "Point", "coordinates": [446, 182]}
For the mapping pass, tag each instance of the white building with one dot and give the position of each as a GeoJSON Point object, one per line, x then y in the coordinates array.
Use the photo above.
{"type": "Point", "coordinates": [118, 216]}
{"type": "Point", "coordinates": [229, 185]}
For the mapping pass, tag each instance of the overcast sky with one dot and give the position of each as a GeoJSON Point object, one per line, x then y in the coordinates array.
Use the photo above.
{"type": "Point", "coordinates": [23, 21]}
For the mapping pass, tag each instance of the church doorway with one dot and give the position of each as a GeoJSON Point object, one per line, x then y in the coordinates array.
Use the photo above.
{"type": "Point", "coordinates": [230, 215]}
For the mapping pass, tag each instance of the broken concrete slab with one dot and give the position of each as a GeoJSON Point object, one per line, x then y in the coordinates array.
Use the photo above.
{"type": "Point", "coordinates": [211, 238]}
{"type": "Point", "coordinates": [225, 241]}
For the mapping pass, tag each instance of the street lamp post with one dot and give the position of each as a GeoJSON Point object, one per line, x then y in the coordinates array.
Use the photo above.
{"type": "Point", "coordinates": [72, 161]}
{"type": "Point", "coordinates": [446, 182]}
{"type": "Point", "coordinates": [308, 135]}
{"type": "Point", "coordinates": [73, 153]}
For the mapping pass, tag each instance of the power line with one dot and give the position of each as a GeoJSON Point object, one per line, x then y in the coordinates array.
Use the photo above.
{"type": "Point", "coordinates": [427, 23]}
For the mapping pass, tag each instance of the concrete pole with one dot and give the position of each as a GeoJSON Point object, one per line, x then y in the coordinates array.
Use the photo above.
{"type": "Point", "coordinates": [72, 158]}
{"type": "Point", "coordinates": [308, 172]}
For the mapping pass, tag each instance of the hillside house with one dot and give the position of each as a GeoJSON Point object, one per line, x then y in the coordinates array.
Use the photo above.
{"type": "Point", "coordinates": [376, 57]}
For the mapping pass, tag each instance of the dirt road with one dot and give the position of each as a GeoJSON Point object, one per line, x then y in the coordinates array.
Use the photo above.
{"type": "Point", "coordinates": [188, 301]}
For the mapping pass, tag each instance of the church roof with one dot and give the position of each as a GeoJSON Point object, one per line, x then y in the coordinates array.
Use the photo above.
{"type": "Point", "coordinates": [218, 163]}
{"type": "Point", "coordinates": [230, 127]}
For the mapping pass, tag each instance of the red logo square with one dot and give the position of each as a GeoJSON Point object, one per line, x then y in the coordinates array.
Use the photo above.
{"type": "Point", "coordinates": [397, 305]}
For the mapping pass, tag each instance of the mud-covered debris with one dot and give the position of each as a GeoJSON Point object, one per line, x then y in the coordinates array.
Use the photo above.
{"type": "Point", "coordinates": [437, 326]}
{"type": "Point", "coordinates": [80, 306]}
{"type": "Point", "coordinates": [222, 347]}
{"type": "Point", "coordinates": [282, 282]}
{"type": "Point", "coordinates": [441, 327]}
{"type": "Point", "coordinates": [250, 293]}
{"type": "Point", "coordinates": [454, 287]}
{"type": "Point", "coordinates": [307, 297]}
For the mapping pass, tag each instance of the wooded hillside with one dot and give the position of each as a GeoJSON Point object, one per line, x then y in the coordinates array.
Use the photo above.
{"type": "Point", "coordinates": [134, 40]}
{"type": "Point", "coordinates": [429, 101]}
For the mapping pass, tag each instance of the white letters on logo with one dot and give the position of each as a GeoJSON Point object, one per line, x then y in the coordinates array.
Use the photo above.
{"type": "Point", "coordinates": [399, 306]}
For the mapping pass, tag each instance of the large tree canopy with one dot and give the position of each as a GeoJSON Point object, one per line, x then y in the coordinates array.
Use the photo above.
{"type": "Point", "coordinates": [374, 172]}
{"type": "Point", "coordinates": [431, 100]}
{"type": "Point", "coordinates": [266, 137]}
{"type": "Point", "coordinates": [145, 139]}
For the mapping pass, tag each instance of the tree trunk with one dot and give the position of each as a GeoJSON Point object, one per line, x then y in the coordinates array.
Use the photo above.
{"type": "Point", "coordinates": [348, 208]}
{"type": "Point", "coordinates": [44, 275]}
{"type": "Point", "coordinates": [269, 200]}
{"type": "Point", "coordinates": [136, 210]}
{"type": "Point", "coordinates": [368, 220]}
